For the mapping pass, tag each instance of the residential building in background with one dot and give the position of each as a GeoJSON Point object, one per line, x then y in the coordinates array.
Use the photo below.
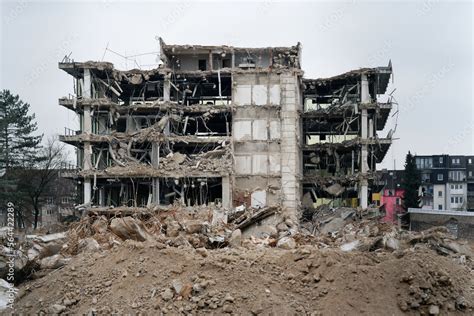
{"type": "Point", "coordinates": [447, 182]}
{"type": "Point", "coordinates": [391, 194]}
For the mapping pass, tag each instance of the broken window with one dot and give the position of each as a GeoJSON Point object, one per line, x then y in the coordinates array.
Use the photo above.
{"type": "Point", "coordinates": [202, 64]}
{"type": "Point", "coordinates": [226, 63]}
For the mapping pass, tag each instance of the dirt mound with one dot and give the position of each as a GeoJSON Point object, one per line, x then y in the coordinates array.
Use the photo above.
{"type": "Point", "coordinates": [194, 261]}
{"type": "Point", "coordinates": [139, 277]}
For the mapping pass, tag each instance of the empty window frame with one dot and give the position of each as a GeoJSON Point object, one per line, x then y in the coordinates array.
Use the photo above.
{"type": "Point", "coordinates": [202, 64]}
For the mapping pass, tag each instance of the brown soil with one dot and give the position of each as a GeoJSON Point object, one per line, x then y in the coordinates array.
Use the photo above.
{"type": "Point", "coordinates": [139, 277]}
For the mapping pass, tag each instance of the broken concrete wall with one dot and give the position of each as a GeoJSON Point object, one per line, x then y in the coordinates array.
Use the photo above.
{"type": "Point", "coordinates": [266, 136]}
{"type": "Point", "coordinates": [256, 120]}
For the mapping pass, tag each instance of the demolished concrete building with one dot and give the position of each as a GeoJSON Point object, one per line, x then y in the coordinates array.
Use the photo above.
{"type": "Point", "coordinates": [224, 125]}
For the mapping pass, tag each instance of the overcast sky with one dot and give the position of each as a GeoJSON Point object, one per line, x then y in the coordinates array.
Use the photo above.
{"type": "Point", "coordinates": [430, 44]}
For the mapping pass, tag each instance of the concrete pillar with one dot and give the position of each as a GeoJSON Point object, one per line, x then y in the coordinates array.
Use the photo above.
{"type": "Point", "coordinates": [156, 190]}
{"type": "Point", "coordinates": [363, 194]}
{"type": "Point", "coordinates": [155, 162]}
{"type": "Point", "coordinates": [363, 124]}
{"type": "Point", "coordinates": [364, 90]}
{"type": "Point", "coordinates": [210, 61]}
{"type": "Point", "coordinates": [364, 131]}
{"type": "Point", "coordinates": [86, 92]}
{"type": "Point", "coordinates": [87, 165]}
{"type": "Point", "coordinates": [155, 155]}
{"type": "Point", "coordinates": [167, 88]}
{"type": "Point", "coordinates": [289, 144]}
{"type": "Point", "coordinates": [87, 190]}
{"type": "Point", "coordinates": [87, 128]}
{"type": "Point", "coordinates": [371, 128]}
{"type": "Point", "coordinates": [87, 120]}
{"type": "Point", "coordinates": [101, 197]}
{"type": "Point", "coordinates": [226, 194]}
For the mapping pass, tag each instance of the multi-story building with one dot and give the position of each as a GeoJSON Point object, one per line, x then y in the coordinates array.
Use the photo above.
{"type": "Point", "coordinates": [447, 182]}
{"type": "Point", "coordinates": [224, 125]}
{"type": "Point", "coordinates": [391, 194]}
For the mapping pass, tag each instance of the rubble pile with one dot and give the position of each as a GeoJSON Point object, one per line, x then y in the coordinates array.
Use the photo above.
{"type": "Point", "coordinates": [195, 260]}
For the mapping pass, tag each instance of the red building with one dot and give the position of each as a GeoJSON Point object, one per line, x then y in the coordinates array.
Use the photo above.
{"type": "Point", "coordinates": [392, 195]}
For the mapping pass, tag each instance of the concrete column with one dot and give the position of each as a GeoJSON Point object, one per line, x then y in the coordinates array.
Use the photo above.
{"type": "Point", "coordinates": [363, 124]}
{"type": "Point", "coordinates": [87, 165]}
{"type": "Point", "coordinates": [101, 197]}
{"type": "Point", "coordinates": [371, 128]}
{"type": "Point", "coordinates": [210, 61]}
{"type": "Point", "coordinates": [156, 190]}
{"type": "Point", "coordinates": [364, 131]}
{"type": "Point", "coordinates": [364, 92]}
{"type": "Point", "coordinates": [86, 92]}
{"type": "Point", "coordinates": [155, 162]}
{"type": "Point", "coordinates": [363, 194]}
{"type": "Point", "coordinates": [87, 128]}
{"type": "Point", "coordinates": [226, 194]}
{"type": "Point", "coordinates": [155, 155]}
{"type": "Point", "coordinates": [289, 144]}
{"type": "Point", "coordinates": [167, 87]}
{"type": "Point", "coordinates": [87, 120]}
{"type": "Point", "coordinates": [87, 190]}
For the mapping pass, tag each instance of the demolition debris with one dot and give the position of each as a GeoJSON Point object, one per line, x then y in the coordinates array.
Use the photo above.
{"type": "Point", "coordinates": [227, 126]}
{"type": "Point", "coordinates": [187, 260]}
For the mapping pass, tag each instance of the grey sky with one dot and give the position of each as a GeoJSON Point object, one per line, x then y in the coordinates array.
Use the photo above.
{"type": "Point", "coordinates": [430, 44]}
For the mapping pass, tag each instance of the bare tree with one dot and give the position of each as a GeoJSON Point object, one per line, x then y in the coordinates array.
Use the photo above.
{"type": "Point", "coordinates": [36, 180]}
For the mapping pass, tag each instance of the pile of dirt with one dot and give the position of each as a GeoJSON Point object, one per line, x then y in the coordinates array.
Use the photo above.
{"type": "Point", "coordinates": [196, 260]}
{"type": "Point", "coordinates": [141, 277]}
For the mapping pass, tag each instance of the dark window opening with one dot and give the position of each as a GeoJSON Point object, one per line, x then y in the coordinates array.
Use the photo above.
{"type": "Point", "coordinates": [202, 64]}
{"type": "Point", "coordinates": [226, 63]}
{"type": "Point", "coordinates": [191, 191]}
{"type": "Point", "coordinates": [121, 125]}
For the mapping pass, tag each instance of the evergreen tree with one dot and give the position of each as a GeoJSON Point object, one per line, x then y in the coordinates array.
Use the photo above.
{"type": "Point", "coordinates": [18, 146]}
{"type": "Point", "coordinates": [411, 183]}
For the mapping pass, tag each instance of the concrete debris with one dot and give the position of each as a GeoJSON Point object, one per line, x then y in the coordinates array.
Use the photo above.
{"type": "Point", "coordinates": [89, 244]}
{"type": "Point", "coordinates": [335, 190]}
{"type": "Point", "coordinates": [196, 260]}
{"type": "Point", "coordinates": [54, 262]}
{"type": "Point", "coordinates": [350, 245]}
{"type": "Point", "coordinates": [286, 243]}
{"type": "Point", "coordinates": [235, 239]}
{"type": "Point", "coordinates": [129, 228]}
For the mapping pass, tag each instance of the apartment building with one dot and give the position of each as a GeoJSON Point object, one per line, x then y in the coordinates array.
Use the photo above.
{"type": "Point", "coordinates": [447, 182]}
{"type": "Point", "coordinates": [226, 126]}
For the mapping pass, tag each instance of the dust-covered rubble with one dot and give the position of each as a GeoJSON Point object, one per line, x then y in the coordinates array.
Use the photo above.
{"type": "Point", "coordinates": [182, 261]}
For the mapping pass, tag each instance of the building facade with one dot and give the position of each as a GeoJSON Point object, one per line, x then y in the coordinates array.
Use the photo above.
{"type": "Point", "coordinates": [447, 182]}
{"type": "Point", "coordinates": [391, 194]}
{"type": "Point", "coordinates": [224, 125]}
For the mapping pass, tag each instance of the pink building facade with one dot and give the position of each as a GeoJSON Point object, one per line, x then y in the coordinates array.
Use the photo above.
{"type": "Point", "coordinates": [391, 199]}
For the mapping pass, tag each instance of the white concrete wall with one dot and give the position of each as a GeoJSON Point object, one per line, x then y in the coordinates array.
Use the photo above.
{"type": "Point", "coordinates": [290, 140]}
{"type": "Point", "coordinates": [266, 135]}
{"type": "Point", "coordinates": [456, 196]}
{"type": "Point", "coordinates": [439, 200]}
{"type": "Point", "coordinates": [257, 94]}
